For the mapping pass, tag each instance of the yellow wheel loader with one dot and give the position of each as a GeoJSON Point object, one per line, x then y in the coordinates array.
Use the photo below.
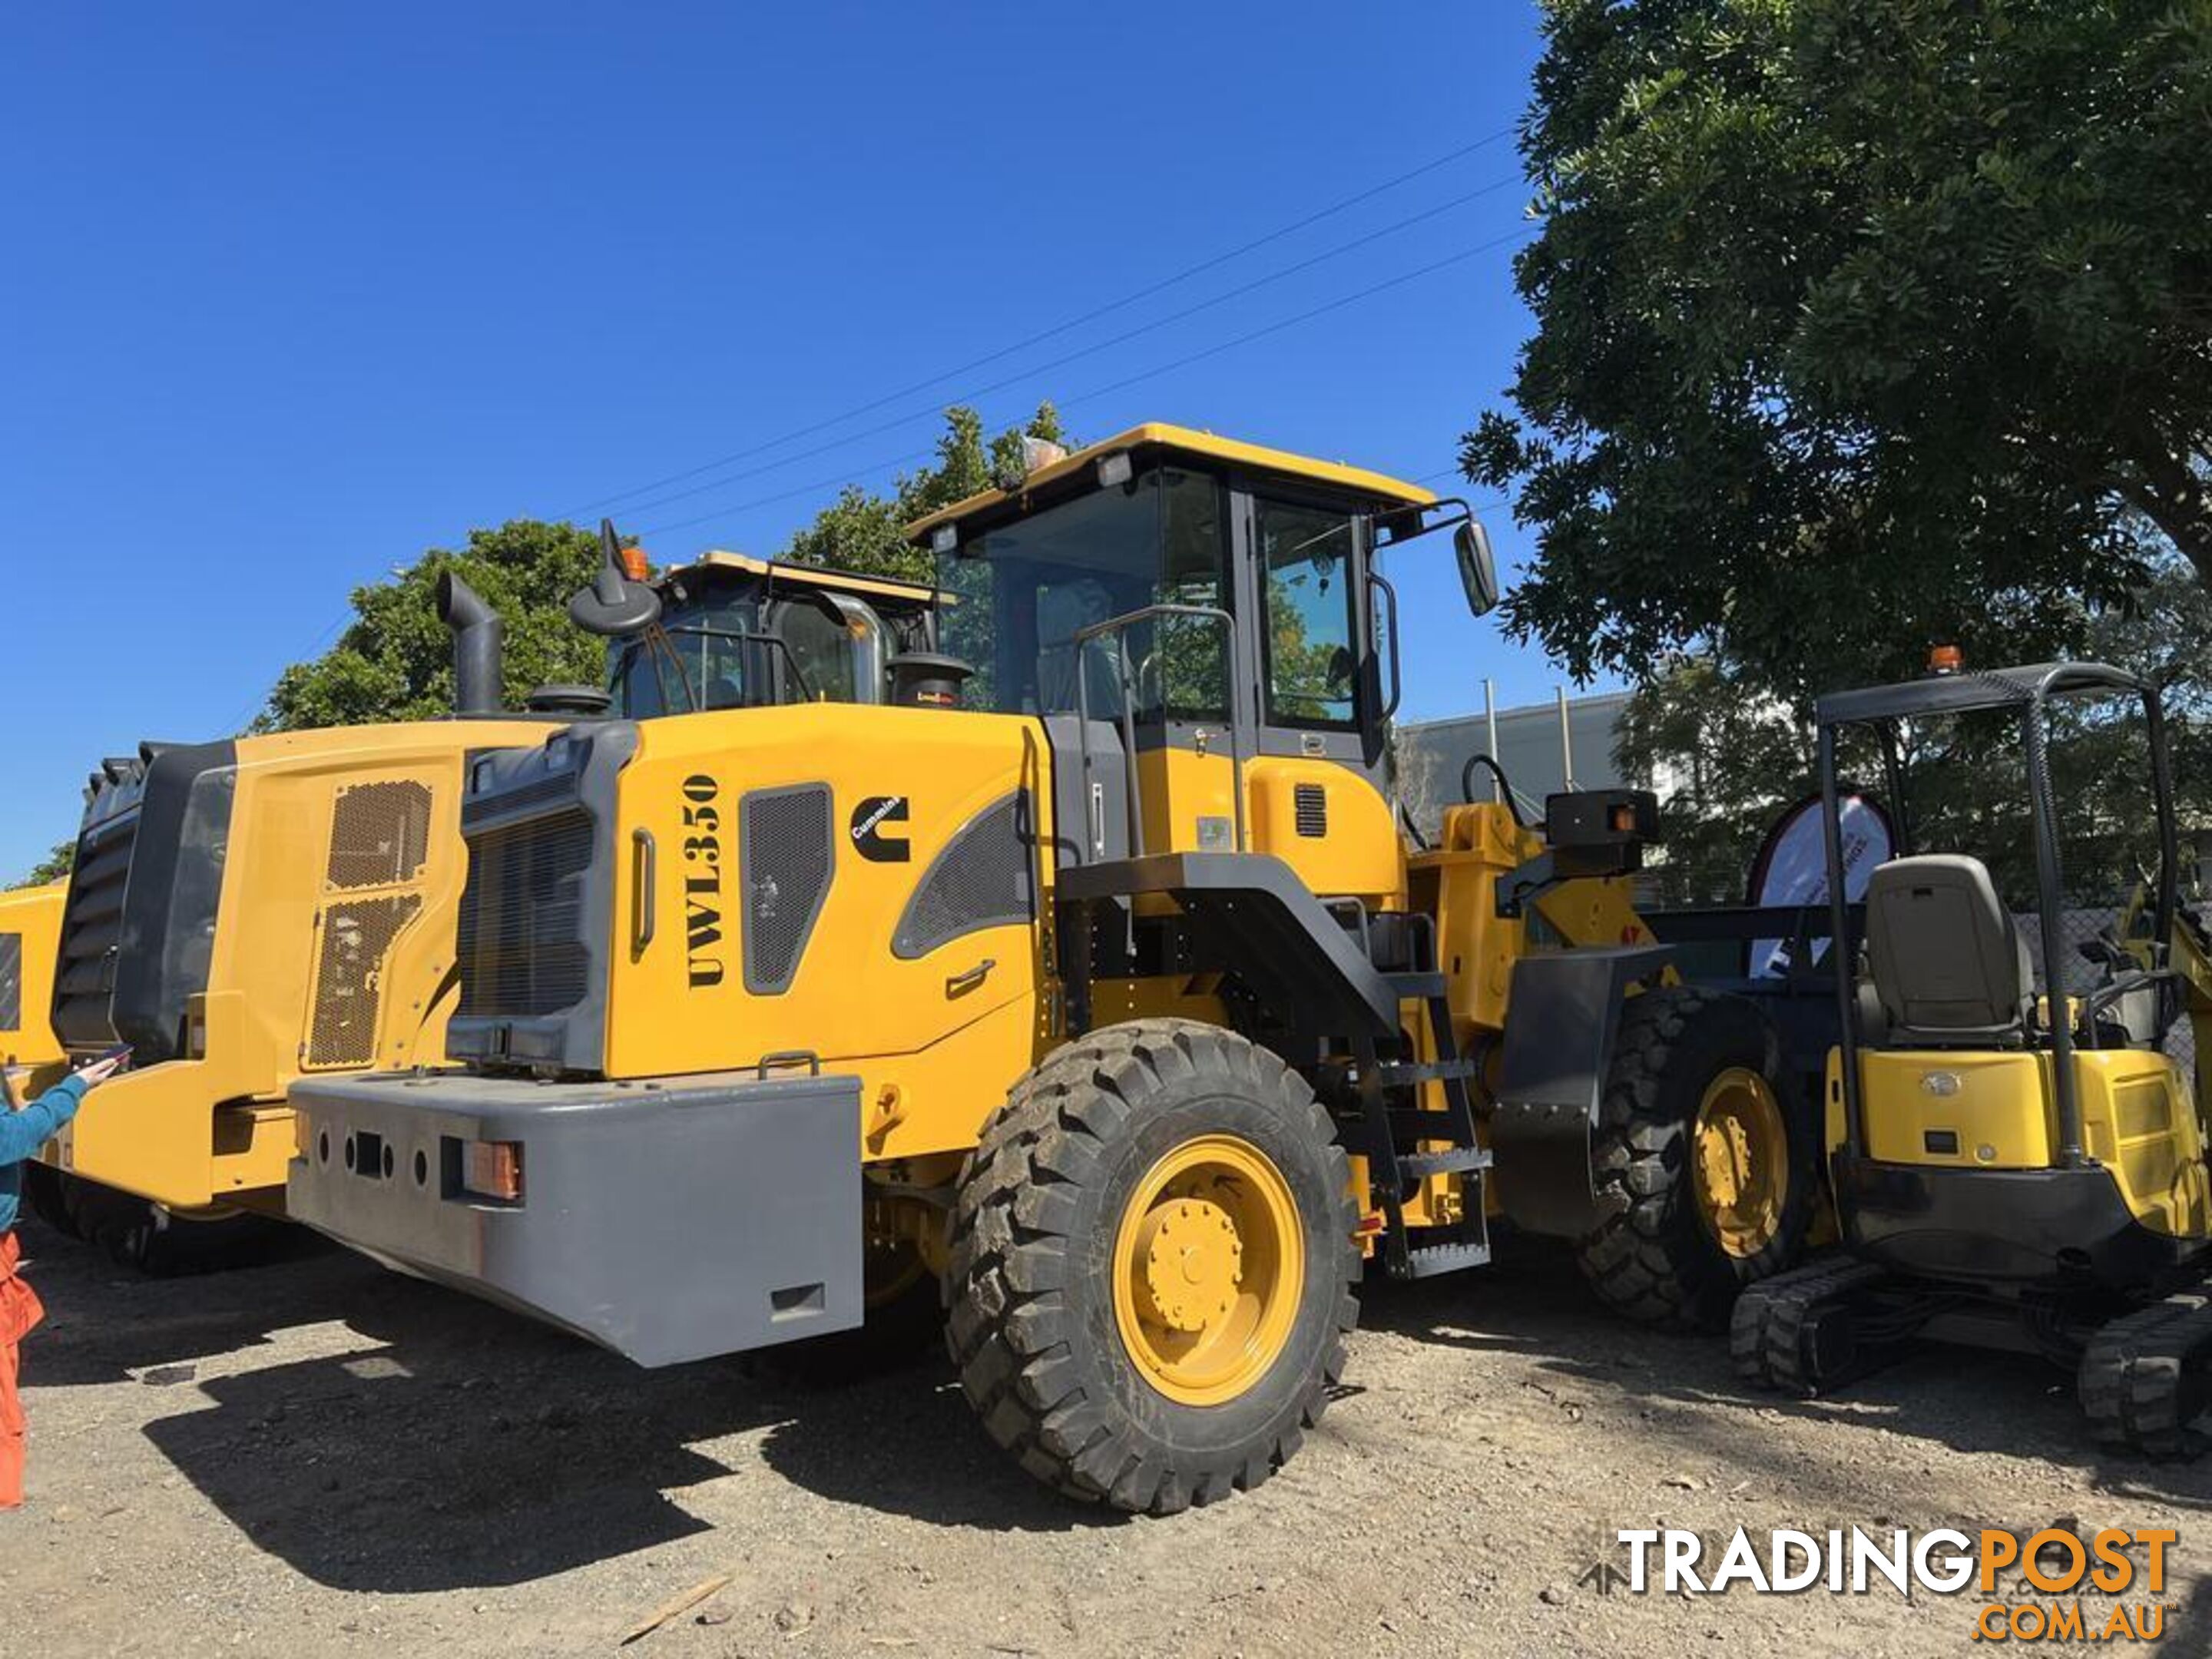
{"type": "Point", "coordinates": [31, 1057]}
{"type": "Point", "coordinates": [2014, 1167]}
{"type": "Point", "coordinates": [1097, 979]}
{"type": "Point", "coordinates": [248, 913]}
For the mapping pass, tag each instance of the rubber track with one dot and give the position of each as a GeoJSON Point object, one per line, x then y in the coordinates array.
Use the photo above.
{"type": "Point", "coordinates": [1007, 1326]}
{"type": "Point", "coordinates": [1766, 1332]}
{"type": "Point", "coordinates": [2134, 1376]}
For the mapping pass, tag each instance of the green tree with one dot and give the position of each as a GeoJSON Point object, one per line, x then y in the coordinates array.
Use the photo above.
{"type": "Point", "coordinates": [1730, 756]}
{"type": "Point", "coordinates": [55, 866]}
{"type": "Point", "coordinates": [394, 661]}
{"type": "Point", "coordinates": [865, 533]}
{"type": "Point", "coordinates": [1860, 324]}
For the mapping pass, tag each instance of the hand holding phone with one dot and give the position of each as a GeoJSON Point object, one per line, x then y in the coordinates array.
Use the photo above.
{"type": "Point", "coordinates": [106, 1067]}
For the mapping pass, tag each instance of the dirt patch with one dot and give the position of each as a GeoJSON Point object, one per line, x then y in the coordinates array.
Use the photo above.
{"type": "Point", "coordinates": [320, 1457]}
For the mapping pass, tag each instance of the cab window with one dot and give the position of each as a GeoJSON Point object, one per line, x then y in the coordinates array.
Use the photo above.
{"type": "Point", "coordinates": [1306, 565]}
{"type": "Point", "coordinates": [820, 651]}
{"type": "Point", "coordinates": [1022, 594]}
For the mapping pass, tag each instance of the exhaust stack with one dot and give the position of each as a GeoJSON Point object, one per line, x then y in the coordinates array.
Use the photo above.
{"type": "Point", "coordinates": [478, 635]}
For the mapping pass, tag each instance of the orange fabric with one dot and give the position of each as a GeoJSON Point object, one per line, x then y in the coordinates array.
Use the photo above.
{"type": "Point", "coordinates": [20, 1309]}
{"type": "Point", "coordinates": [11, 1430]}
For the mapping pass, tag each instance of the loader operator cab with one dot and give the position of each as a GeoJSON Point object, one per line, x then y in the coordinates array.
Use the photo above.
{"type": "Point", "coordinates": [736, 632]}
{"type": "Point", "coordinates": [1205, 628]}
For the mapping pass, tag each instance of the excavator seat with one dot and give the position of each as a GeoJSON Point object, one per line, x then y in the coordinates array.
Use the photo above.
{"type": "Point", "coordinates": [1947, 961]}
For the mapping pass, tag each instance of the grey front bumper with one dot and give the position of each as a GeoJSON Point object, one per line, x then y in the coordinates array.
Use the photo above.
{"type": "Point", "coordinates": [667, 1223]}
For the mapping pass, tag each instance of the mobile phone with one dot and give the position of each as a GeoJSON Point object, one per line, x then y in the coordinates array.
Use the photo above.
{"type": "Point", "coordinates": [120, 1053]}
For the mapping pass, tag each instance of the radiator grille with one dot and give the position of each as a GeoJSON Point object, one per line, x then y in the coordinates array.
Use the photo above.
{"type": "Point", "coordinates": [786, 862]}
{"type": "Point", "coordinates": [356, 939]}
{"type": "Point", "coordinates": [380, 834]}
{"type": "Point", "coordinates": [11, 981]}
{"type": "Point", "coordinates": [981, 879]}
{"type": "Point", "coordinates": [521, 946]}
{"type": "Point", "coordinates": [92, 922]}
{"type": "Point", "coordinates": [1310, 803]}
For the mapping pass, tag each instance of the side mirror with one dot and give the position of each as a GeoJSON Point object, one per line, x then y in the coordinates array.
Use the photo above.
{"type": "Point", "coordinates": [614, 605]}
{"type": "Point", "coordinates": [1478, 569]}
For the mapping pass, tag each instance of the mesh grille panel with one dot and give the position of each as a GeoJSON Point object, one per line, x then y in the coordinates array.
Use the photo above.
{"type": "Point", "coordinates": [786, 862]}
{"type": "Point", "coordinates": [380, 834]}
{"type": "Point", "coordinates": [1310, 804]}
{"type": "Point", "coordinates": [521, 947]}
{"type": "Point", "coordinates": [981, 879]}
{"type": "Point", "coordinates": [349, 977]}
{"type": "Point", "coordinates": [11, 981]}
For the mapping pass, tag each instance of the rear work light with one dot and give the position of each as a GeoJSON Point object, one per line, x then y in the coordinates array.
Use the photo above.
{"type": "Point", "coordinates": [493, 1168]}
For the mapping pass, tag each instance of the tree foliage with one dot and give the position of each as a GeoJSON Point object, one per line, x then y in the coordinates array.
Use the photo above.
{"type": "Point", "coordinates": [1860, 325]}
{"type": "Point", "coordinates": [55, 866]}
{"type": "Point", "coordinates": [1732, 758]}
{"type": "Point", "coordinates": [865, 533]}
{"type": "Point", "coordinates": [395, 660]}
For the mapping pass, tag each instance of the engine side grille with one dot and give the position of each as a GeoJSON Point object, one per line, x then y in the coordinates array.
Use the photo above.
{"type": "Point", "coordinates": [981, 879]}
{"type": "Point", "coordinates": [785, 863]}
{"type": "Point", "coordinates": [92, 924]}
{"type": "Point", "coordinates": [380, 834]}
{"type": "Point", "coordinates": [521, 945]}
{"type": "Point", "coordinates": [1309, 802]}
{"type": "Point", "coordinates": [357, 937]}
{"type": "Point", "coordinates": [11, 981]}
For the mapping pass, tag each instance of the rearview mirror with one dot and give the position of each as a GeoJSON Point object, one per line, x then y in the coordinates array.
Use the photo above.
{"type": "Point", "coordinates": [1478, 570]}
{"type": "Point", "coordinates": [614, 605]}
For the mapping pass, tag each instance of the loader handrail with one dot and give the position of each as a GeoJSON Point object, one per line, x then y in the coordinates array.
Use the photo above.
{"type": "Point", "coordinates": [1117, 629]}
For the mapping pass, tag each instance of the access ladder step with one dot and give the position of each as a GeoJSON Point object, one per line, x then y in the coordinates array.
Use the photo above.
{"type": "Point", "coordinates": [1429, 1259]}
{"type": "Point", "coordinates": [1410, 1128]}
{"type": "Point", "coordinates": [1459, 1160]}
{"type": "Point", "coordinates": [1404, 1073]}
{"type": "Point", "coordinates": [1416, 987]}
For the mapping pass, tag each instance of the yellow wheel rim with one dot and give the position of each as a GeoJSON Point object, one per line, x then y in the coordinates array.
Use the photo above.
{"type": "Point", "coordinates": [1209, 1266]}
{"type": "Point", "coordinates": [1740, 1162]}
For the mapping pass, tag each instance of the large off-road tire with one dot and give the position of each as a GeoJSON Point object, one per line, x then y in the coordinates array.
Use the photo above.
{"type": "Point", "coordinates": [1151, 1266]}
{"type": "Point", "coordinates": [139, 1234]}
{"type": "Point", "coordinates": [42, 1192]}
{"type": "Point", "coordinates": [1705, 1157]}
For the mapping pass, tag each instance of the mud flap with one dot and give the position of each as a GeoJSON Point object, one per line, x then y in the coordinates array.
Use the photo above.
{"type": "Point", "coordinates": [1564, 1011]}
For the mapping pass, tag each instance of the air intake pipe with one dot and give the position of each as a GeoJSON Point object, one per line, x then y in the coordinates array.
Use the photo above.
{"type": "Point", "coordinates": [478, 675]}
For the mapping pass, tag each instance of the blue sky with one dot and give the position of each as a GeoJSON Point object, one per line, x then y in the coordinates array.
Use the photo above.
{"type": "Point", "coordinates": [293, 292]}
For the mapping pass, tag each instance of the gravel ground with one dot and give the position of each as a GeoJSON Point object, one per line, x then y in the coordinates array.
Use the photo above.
{"type": "Point", "coordinates": [319, 1457]}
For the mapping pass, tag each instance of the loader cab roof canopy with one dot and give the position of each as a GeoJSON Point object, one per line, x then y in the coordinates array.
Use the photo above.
{"type": "Point", "coordinates": [1152, 444]}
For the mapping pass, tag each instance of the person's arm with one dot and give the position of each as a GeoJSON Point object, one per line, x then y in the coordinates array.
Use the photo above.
{"type": "Point", "coordinates": [23, 1132]}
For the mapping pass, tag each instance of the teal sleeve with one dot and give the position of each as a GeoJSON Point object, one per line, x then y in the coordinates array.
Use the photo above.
{"type": "Point", "coordinates": [23, 1132]}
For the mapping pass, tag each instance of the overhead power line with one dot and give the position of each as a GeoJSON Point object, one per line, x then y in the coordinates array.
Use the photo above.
{"type": "Point", "coordinates": [1057, 329]}
{"type": "Point", "coordinates": [972, 394]}
{"type": "Point", "coordinates": [1157, 369]}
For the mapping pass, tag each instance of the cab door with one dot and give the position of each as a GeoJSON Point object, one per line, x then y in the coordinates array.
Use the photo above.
{"type": "Point", "coordinates": [1315, 786]}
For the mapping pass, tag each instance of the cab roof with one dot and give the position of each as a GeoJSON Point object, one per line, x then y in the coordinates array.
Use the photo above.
{"type": "Point", "coordinates": [1156, 441]}
{"type": "Point", "coordinates": [805, 576]}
